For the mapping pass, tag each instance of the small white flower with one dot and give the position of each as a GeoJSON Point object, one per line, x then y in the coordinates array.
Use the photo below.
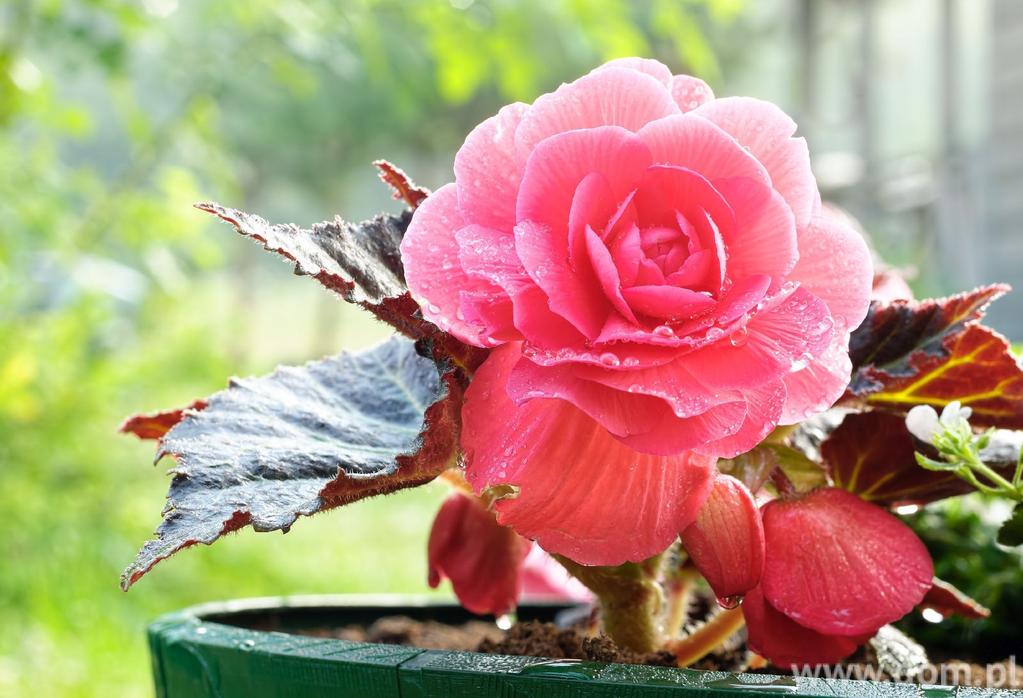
{"type": "Point", "coordinates": [955, 415]}
{"type": "Point", "coordinates": [923, 423]}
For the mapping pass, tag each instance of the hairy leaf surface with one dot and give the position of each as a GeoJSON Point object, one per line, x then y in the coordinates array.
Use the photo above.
{"type": "Point", "coordinates": [302, 440]}
{"type": "Point", "coordinates": [359, 261]}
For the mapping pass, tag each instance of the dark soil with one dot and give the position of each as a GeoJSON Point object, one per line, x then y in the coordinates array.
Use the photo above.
{"type": "Point", "coordinates": [536, 639]}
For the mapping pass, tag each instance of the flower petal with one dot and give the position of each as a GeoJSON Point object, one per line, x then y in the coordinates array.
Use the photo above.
{"type": "Point", "coordinates": [689, 92]}
{"type": "Point", "coordinates": [667, 302]}
{"type": "Point", "coordinates": [488, 170]}
{"type": "Point", "coordinates": [763, 408]}
{"type": "Point", "coordinates": [430, 255]}
{"type": "Point", "coordinates": [766, 130]}
{"type": "Point", "coordinates": [835, 265]}
{"type": "Point", "coordinates": [632, 505]}
{"type": "Point", "coordinates": [786, 643]}
{"type": "Point", "coordinates": [651, 67]}
{"type": "Point", "coordinates": [688, 141]}
{"type": "Point", "coordinates": [482, 558]}
{"type": "Point", "coordinates": [818, 386]}
{"type": "Point", "coordinates": [763, 240]}
{"type": "Point", "coordinates": [726, 542]}
{"type": "Point", "coordinates": [841, 566]}
{"type": "Point", "coordinates": [609, 96]}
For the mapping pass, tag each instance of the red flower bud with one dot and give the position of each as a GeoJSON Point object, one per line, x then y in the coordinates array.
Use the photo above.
{"type": "Point", "coordinates": [726, 543]}
{"type": "Point", "coordinates": [482, 558]}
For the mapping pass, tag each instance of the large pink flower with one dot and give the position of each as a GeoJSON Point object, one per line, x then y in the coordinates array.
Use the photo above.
{"type": "Point", "coordinates": [661, 286]}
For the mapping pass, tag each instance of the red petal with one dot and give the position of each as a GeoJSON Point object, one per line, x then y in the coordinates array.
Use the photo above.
{"type": "Point", "coordinates": [482, 558]}
{"type": "Point", "coordinates": [947, 600]}
{"type": "Point", "coordinates": [726, 543]}
{"type": "Point", "coordinates": [787, 643]}
{"type": "Point", "coordinates": [839, 565]}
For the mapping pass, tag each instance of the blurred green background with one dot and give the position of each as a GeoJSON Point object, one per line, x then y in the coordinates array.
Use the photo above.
{"type": "Point", "coordinates": [117, 297]}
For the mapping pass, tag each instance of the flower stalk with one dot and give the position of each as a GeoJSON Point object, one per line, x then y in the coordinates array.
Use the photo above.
{"type": "Point", "coordinates": [630, 599]}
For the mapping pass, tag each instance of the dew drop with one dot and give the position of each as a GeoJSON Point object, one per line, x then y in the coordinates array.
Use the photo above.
{"type": "Point", "coordinates": [609, 359]}
{"type": "Point", "coordinates": [664, 331]}
{"type": "Point", "coordinates": [630, 362]}
{"type": "Point", "coordinates": [433, 308]}
{"type": "Point", "coordinates": [739, 337]}
{"type": "Point", "coordinates": [729, 602]}
{"type": "Point", "coordinates": [715, 333]}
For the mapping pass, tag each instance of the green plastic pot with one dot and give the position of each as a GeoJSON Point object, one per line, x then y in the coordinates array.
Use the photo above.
{"type": "Point", "coordinates": [205, 652]}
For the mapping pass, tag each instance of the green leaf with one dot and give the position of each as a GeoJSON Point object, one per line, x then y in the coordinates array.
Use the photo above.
{"type": "Point", "coordinates": [302, 440]}
{"type": "Point", "coordinates": [1011, 532]}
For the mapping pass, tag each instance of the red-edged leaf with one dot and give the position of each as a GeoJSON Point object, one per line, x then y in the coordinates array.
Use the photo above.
{"type": "Point", "coordinates": [302, 440]}
{"type": "Point", "coordinates": [154, 425]}
{"type": "Point", "coordinates": [871, 455]}
{"type": "Point", "coordinates": [949, 601]}
{"type": "Point", "coordinates": [934, 352]}
{"type": "Point", "coordinates": [892, 332]}
{"type": "Point", "coordinates": [359, 261]}
{"type": "Point", "coordinates": [404, 188]}
{"type": "Point", "coordinates": [979, 370]}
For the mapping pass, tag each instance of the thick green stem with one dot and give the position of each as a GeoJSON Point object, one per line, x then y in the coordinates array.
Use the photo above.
{"type": "Point", "coordinates": [630, 600]}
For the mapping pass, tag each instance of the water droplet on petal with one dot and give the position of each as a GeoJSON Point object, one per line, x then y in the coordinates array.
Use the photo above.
{"type": "Point", "coordinates": [630, 362]}
{"type": "Point", "coordinates": [729, 602]}
{"type": "Point", "coordinates": [664, 331]}
{"type": "Point", "coordinates": [739, 337]}
{"type": "Point", "coordinates": [609, 359]}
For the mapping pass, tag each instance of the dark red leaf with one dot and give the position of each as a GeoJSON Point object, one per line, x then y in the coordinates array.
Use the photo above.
{"type": "Point", "coordinates": [949, 601]}
{"type": "Point", "coordinates": [892, 332]}
{"type": "Point", "coordinates": [404, 188]}
{"type": "Point", "coordinates": [871, 455]}
{"type": "Point", "coordinates": [154, 425]}
{"type": "Point", "coordinates": [934, 352]}
{"type": "Point", "coordinates": [302, 440]}
{"type": "Point", "coordinates": [359, 261]}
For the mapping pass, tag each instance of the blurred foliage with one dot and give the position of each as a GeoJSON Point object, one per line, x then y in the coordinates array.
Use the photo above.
{"type": "Point", "coordinates": [960, 535]}
{"type": "Point", "coordinates": [116, 296]}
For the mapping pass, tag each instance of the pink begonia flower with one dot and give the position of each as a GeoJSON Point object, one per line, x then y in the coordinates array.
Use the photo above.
{"type": "Point", "coordinates": [490, 566]}
{"type": "Point", "coordinates": [837, 569]}
{"type": "Point", "coordinates": [661, 286]}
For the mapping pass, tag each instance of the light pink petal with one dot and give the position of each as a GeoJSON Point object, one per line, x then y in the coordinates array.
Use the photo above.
{"type": "Point", "coordinates": [490, 254]}
{"type": "Point", "coordinates": [543, 578]}
{"type": "Point", "coordinates": [644, 422]}
{"type": "Point", "coordinates": [726, 542]}
{"type": "Point", "coordinates": [541, 327]}
{"type": "Point", "coordinates": [667, 302]}
{"type": "Point", "coordinates": [818, 386]}
{"type": "Point", "coordinates": [593, 204]}
{"type": "Point", "coordinates": [841, 566]}
{"type": "Point", "coordinates": [488, 170]}
{"type": "Point", "coordinates": [607, 273]}
{"type": "Point", "coordinates": [763, 409]}
{"type": "Point", "coordinates": [766, 130]}
{"type": "Point", "coordinates": [482, 558]}
{"type": "Point", "coordinates": [790, 330]}
{"type": "Point", "coordinates": [430, 255]}
{"type": "Point", "coordinates": [689, 92]}
{"type": "Point", "coordinates": [787, 644]}
{"type": "Point", "coordinates": [651, 67]}
{"type": "Point", "coordinates": [697, 144]}
{"type": "Point", "coordinates": [694, 271]}
{"type": "Point", "coordinates": [741, 298]}
{"type": "Point", "coordinates": [627, 252]}
{"type": "Point", "coordinates": [557, 166]}
{"type": "Point", "coordinates": [492, 312]}
{"type": "Point", "coordinates": [632, 505]}
{"type": "Point", "coordinates": [835, 265]}
{"type": "Point", "coordinates": [763, 240]}
{"type": "Point", "coordinates": [610, 96]}
{"type": "Point", "coordinates": [573, 293]}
